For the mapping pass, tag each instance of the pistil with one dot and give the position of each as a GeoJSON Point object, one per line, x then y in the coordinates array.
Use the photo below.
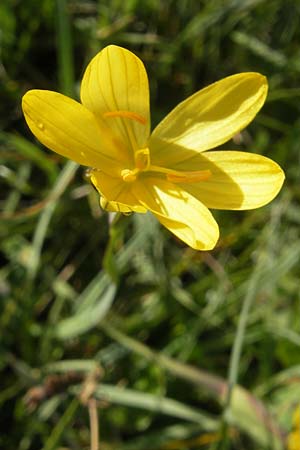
{"type": "Point", "coordinates": [142, 159]}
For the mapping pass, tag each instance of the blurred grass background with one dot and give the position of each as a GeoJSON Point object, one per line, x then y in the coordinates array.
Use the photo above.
{"type": "Point", "coordinates": [150, 322]}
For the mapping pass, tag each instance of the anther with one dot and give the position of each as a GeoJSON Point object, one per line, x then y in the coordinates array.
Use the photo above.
{"type": "Point", "coordinates": [129, 175]}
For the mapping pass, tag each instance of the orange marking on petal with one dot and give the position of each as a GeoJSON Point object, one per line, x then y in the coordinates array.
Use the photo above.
{"type": "Point", "coordinates": [189, 177]}
{"type": "Point", "coordinates": [126, 115]}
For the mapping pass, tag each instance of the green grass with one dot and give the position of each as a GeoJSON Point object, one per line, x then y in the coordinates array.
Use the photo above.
{"type": "Point", "coordinates": [163, 329]}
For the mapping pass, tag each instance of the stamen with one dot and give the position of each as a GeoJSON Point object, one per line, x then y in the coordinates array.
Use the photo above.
{"type": "Point", "coordinates": [129, 175]}
{"type": "Point", "coordinates": [189, 177]}
{"type": "Point", "coordinates": [126, 115]}
{"type": "Point", "coordinates": [176, 176]}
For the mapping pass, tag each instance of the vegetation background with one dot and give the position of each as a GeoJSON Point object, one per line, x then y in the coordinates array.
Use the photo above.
{"type": "Point", "coordinates": [156, 329]}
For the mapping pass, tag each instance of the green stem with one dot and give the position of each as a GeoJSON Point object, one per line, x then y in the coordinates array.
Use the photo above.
{"type": "Point", "coordinates": [109, 261]}
{"type": "Point", "coordinates": [94, 424]}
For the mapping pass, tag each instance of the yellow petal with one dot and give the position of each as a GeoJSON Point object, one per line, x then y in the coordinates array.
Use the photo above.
{"type": "Point", "coordinates": [239, 180]}
{"type": "Point", "coordinates": [68, 128]}
{"type": "Point", "coordinates": [293, 440]}
{"type": "Point", "coordinates": [119, 194]}
{"type": "Point", "coordinates": [178, 211]}
{"type": "Point", "coordinates": [116, 81]}
{"type": "Point", "coordinates": [117, 207]}
{"type": "Point", "coordinates": [211, 116]}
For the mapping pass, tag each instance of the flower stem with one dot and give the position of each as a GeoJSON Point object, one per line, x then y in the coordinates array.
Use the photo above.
{"type": "Point", "coordinates": [94, 425]}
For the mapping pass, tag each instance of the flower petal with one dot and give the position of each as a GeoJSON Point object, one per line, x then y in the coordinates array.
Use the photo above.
{"type": "Point", "coordinates": [178, 211]}
{"type": "Point", "coordinates": [211, 116]}
{"type": "Point", "coordinates": [118, 207]}
{"type": "Point", "coordinates": [116, 80]}
{"type": "Point", "coordinates": [239, 180]}
{"type": "Point", "coordinates": [68, 128]}
{"type": "Point", "coordinates": [119, 194]}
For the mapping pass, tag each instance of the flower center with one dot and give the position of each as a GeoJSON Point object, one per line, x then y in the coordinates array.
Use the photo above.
{"type": "Point", "coordinates": [142, 164]}
{"type": "Point", "coordinates": [142, 159]}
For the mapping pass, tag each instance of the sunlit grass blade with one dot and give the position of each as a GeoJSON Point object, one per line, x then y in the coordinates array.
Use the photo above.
{"type": "Point", "coordinates": [259, 48]}
{"type": "Point", "coordinates": [154, 403]}
{"type": "Point", "coordinates": [263, 429]}
{"type": "Point", "coordinates": [89, 318]}
{"type": "Point", "coordinates": [41, 229]}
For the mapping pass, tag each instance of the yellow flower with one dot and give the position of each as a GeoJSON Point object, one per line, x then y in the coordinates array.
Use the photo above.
{"type": "Point", "coordinates": [293, 440]}
{"type": "Point", "coordinates": [296, 418]}
{"type": "Point", "coordinates": [169, 172]}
